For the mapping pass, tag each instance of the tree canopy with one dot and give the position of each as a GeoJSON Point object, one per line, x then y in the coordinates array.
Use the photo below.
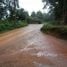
{"type": "Point", "coordinates": [59, 8]}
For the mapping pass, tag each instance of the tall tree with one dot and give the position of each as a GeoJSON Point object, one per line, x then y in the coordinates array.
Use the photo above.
{"type": "Point", "coordinates": [3, 10]}
{"type": "Point", "coordinates": [12, 6]}
{"type": "Point", "coordinates": [21, 14]}
{"type": "Point", "coordinates": [8, 5]}
{"type": "Point", "coordinates": [60, 9]}
{"type": "Point", "coordinates": [39, 15]}
{"type": "Point", "coordinates": [33, 14]}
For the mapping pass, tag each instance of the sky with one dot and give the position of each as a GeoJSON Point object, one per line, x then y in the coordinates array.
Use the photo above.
{"type": "Point", "coordinates": [32, 5]}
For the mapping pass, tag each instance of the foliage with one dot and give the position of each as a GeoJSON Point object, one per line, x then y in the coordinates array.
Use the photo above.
{"type": "Point", "coordinates": [35, 17]}
{"type": "Point", "coordinates": [34, 20]}
{"type": "Point", "coordinates": [59, 8]}
{"type": "Point", "coordinates": [6, 25]}
{"type": "Point", "coordinates": [52, 22]}
{"type": "Point", "coordinates": [12, 6]}
{"type": "Point", "coordinates": [3, 12]}
{"type": "Point", "coordinates": [41, 17]}
{"type": "Point", "coordinates": [56, 30]}
{"type": "Point", "coordinates": [21, 14]}
{"type": "Point", "coordinates": [33, 14]}
{"type": "Point", "coordinates": [8, 5]}
{"type": "Point", "coordinates": [11, 16]}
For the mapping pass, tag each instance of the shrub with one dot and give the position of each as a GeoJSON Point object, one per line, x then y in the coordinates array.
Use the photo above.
{"type": "Point", "coordinates": [9, 25]}
{"type": "Point", "coordinates": [59, 30]}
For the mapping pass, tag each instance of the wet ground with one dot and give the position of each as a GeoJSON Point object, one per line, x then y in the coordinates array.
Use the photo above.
{"type": "Point", "coordinates": [29, 47]}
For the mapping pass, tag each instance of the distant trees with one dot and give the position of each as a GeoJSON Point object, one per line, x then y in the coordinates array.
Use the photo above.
{"type": "Point", "coordinates": [41, 17]}
{"type": "Point", "coordinates": [59, 9]}
{"type": "Point", "coordinates": [36, 17]}
{"type": "Point", "coordinates": [33, 14]}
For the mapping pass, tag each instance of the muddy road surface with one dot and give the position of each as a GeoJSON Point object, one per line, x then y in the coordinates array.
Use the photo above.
{"type": "Point", "coordinates": [29, 47]}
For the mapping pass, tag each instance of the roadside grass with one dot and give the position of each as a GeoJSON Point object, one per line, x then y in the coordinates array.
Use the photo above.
{"type": "Point", "coordinates": [56, 30]}
{"type": "Point", "coordinates": [7, 25]}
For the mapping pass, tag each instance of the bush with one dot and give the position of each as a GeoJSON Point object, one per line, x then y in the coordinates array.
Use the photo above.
{"type": "Point", "coordinates": [60, 31]}
{"type": "Point", "coordinates": [9, 25]}
{"type": "Point", "coordinates": [53, 22]}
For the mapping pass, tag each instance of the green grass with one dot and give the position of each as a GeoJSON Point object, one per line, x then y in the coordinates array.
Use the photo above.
{"type": "Point", "coordinates": [57, 30]}
{"type": "Point", "coordinates": [7, 25]}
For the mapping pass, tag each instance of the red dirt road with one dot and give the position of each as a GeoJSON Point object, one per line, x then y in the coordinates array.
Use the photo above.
{"type": "Point", "coordinates": [28, 47]}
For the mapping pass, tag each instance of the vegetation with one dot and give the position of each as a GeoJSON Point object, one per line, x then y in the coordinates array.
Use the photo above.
{"type": "Point", "coordinates": [57, 26]}
{"type": "Point", "coordinates": [11, 16]}
{"type": "Point", "coordinates": [59, 8]}
{"type": "Point", "coordinates": [39, 17]}
{"type": "Point", "coordinates": [36, 17]}
{"type": "Point", "coordinates": [6, 25]}
{"type": "Point", "coordinates": [56, 30]}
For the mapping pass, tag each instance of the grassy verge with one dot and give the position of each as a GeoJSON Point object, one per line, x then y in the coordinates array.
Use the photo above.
{"type": "Point", "coordinates": [7, 25]}
{"type": "Point", "coordinates": [56, 30]}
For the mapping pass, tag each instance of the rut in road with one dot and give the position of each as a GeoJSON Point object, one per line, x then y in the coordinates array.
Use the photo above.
{"type": "Point", "coordinates": [29, 47]}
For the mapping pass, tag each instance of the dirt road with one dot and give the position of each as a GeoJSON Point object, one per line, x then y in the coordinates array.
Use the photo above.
{"type": "Point", "coordinates": [28, 47]}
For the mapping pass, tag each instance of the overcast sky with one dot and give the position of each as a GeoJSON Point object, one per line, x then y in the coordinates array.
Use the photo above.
{"type": "Point", "coordinates": [31, 5]}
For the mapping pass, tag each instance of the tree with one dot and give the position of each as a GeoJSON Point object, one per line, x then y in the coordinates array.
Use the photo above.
{"type": "Point", "coordinates": [39, 15]}
{"type": "Point", "coordinates": [13, 5]}
{"type": "Point", "coordinates": [21, 14]}
{"type": "Point", "coordinates": [33, 14]}
{"type": "Point", "coordinates": [8, 5]}
{"type": "Point", "coordinates": [59, 9]}
{"type": "Point", "coordinates": [3, 10]}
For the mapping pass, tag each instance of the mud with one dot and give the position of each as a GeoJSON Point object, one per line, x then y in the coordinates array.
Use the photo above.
{"type": "Point", "coordinates": [29, 47]}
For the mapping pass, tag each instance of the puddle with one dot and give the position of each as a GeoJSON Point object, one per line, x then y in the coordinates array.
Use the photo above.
{"type": "Point", "coordinates": [40, 54]}
{"type": "Point", "coordinates": [40, 65]}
